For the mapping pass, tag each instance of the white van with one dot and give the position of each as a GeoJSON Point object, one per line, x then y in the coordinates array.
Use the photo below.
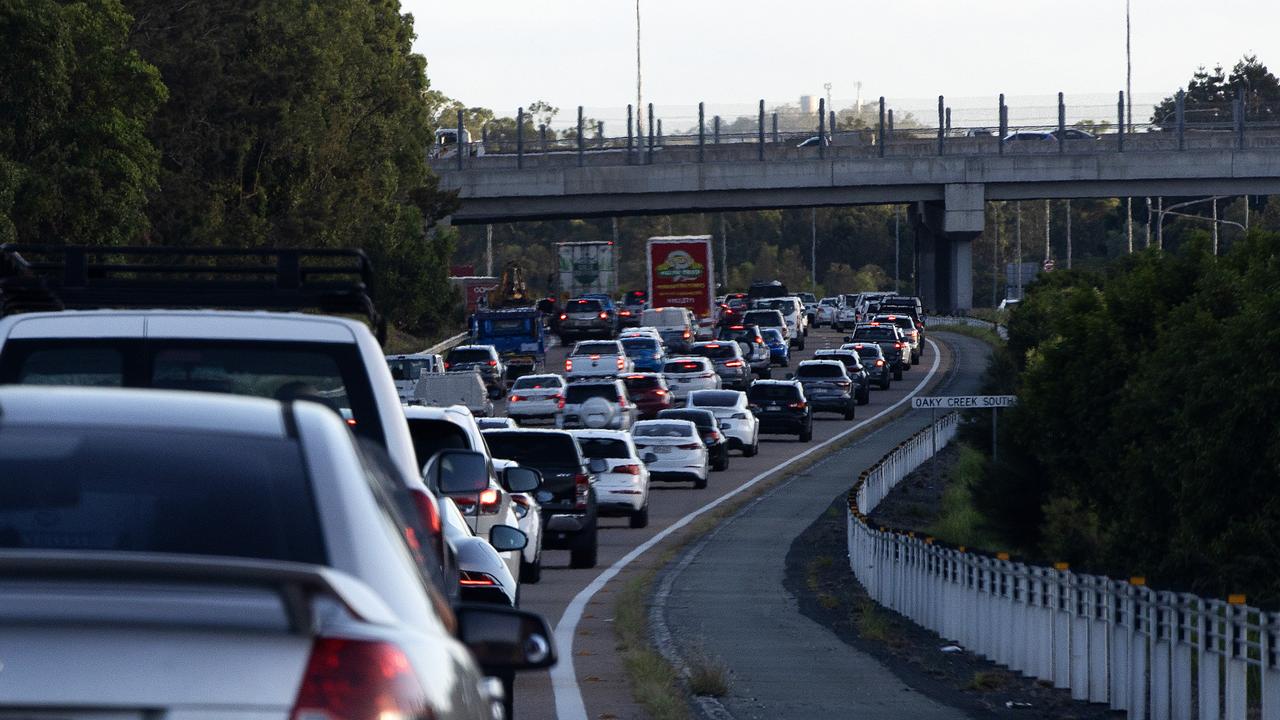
{"type": "Point", "coordinates": [676, 326]}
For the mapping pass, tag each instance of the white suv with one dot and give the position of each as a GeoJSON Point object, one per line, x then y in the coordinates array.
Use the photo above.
{"type": "Point", "coordinates": [737, 422]}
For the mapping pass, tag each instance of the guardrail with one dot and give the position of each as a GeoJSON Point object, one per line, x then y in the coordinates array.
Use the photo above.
{"type": "Point", "coordinates": [941, 321]}
{"type": "Point", "coordinates": [446, 344]}
{"type": "Point", "coordinates": [1153, 654]}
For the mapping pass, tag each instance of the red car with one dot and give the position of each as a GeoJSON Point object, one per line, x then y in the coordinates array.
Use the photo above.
{"type": "Point", "coordinates": [649, 392]}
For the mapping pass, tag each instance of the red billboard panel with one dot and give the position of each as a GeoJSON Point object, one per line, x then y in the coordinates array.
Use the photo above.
{"type": "Point", "coordinates": [681, 273]}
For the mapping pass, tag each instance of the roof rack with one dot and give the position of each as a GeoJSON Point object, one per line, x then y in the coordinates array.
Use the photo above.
{"type": "Point", "coordinates": [36, 278]}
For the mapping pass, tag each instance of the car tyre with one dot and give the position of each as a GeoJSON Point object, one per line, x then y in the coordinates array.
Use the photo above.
{"type": "Point", "coordinates": [915, 359]}
{"type": "Point", "coordinates": [806, 434]}
{"type": "Point", "coordinates": [801, 345]}
{"type": "Point", "coordinates": [849, 411]}
{"type": "Point", "coordinates": [531, 572]}
{"type": "Point", "coordinates": [897, 373]}
{"type": "Point", "coordinates": [766, 374]}
{"type": "Point", "coordinates": [884, 384]}
{"type": "Point", "coordinates": [864, 394]}
{"type": "Point", "coordinates": [639, 518]}
{"type": "Point", "coordinates": [721, 463]}
{"type": "Point", "coordinates": [751, 450]}
{"type": "Point", "coordinates": [584, 551]}
{"type": "Point", "coordinates": [700, 484]}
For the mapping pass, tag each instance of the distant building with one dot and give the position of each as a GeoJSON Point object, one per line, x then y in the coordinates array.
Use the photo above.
{"type": "Point", "coordinates": [807, 105]}
{"type": "Point", "coordinates": [1015, 281]}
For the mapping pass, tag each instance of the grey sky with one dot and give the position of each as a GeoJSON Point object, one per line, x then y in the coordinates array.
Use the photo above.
{"type": "Point", "coordinates": [504, 53]}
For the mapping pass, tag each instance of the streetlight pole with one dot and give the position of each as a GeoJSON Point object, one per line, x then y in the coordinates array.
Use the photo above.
{"type": "Point", "coordinates": [639, 103]}
{"type": "Point", "coordinates": [813, 249]}
{"type": "Point", "coordinates": [1162, 211]}
{"type": "Point", "coordinates": [1128, 66]}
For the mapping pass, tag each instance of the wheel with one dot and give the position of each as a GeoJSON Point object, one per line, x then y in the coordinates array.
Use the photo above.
{"type": "Point", "coordinates": [721, 463]}
{"type": "Point", "coordinates": [583, 554]}
{"type": "Point", "coordinates": [700, 484]}
{"type": "Point", "coordinates": [806, 434]}
{"type": "Point", "coordinates": [531, 572]}
{"type": "Point", "coordinates": [897, 373]}
{"type": "Point", "coordinates": [864, 395]}
{"type": "Point", "coordinates": [884, 384]}
{"type": "Point", "coordinates": [640, 518]}
{"type": "Point", "coordinates": [848, 412]}
{"type": "Point", "coordinates": [801, 347]}
{"type": "Point", "coordinates": [751, 450]}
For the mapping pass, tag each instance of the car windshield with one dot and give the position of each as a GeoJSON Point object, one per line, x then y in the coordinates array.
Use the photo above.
{"type": "Point", "coordinates": [684, 366]}
{"type": "Point", "coordinates": [538, 382]}
{"type": "Point", "coordinates": [596, 348]}
{"type": "Point", "coordinates": [760, 394]}
{"type": "Point", "coordinates": [704, 419]}
{"type": "Point", "coordinates": [332, 374]}
{"type": "Point", "coordinates": [607, 448]}
{"type": "Point", "coordinates": [828, 301]}
{"type": "Point", "coordinates": [714, 398]}
{"type": "Point", "coordinates": [867, 351]}
{"type": "Point", "coordinates": [845, 358]}
{"type": "Point", "coordinates": [661, 429]}
{"type": "Point", "coordinates": [407, 369]}
{"type": "Point", "coordinates": [157, 491]}
{"type": "Point", "coordinates": [764, 318]}
{"type": "Point", "coordinates": [583, 306]}
{"type": "Point", "coordinates": [580, 393]}
{"type": "Point", "coordinates": [468, 355]}
{"type": "Point", "coordinates": [537, 450]}
{"type": "Point", "coordinates": [719, 351]}
{"type": "Point", "coordinates": [819, 370]}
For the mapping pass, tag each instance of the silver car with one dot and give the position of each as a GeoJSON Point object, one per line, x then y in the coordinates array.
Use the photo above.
{"type": "Point", "coordinates": [282, 565]}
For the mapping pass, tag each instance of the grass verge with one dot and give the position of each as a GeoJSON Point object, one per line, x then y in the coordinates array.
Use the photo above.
{"type": "Point", "coordinates": [958, 521]}
{"type": "Point", "coordinates": [873, 623]}
{"type": "Point", "coordinates": [984, 334]}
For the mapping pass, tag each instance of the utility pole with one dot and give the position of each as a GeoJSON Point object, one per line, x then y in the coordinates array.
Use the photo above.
{"type": "Point", "coordinates": [639, 103]}
{"type": "Point", "coordinates": [1068, 233]}
{"type": "Point", "coordinates": [897, 244]}
{"type": "Point", "coordinates": [1128, 222]}
{"type": "Point", "coordinates": [1017, 241]}
{"type": "Point", "coordinates": [995, 259]}
{"type": "Point", "coordinates": [1215, 225]}
{"type": "Point", "coordinates": [1048, 251]}
{"type": "Point", "coordinates": [488, 250]}
{"type": "Point", "coordinates": [813, 248]}
{"type": "Point", "coordinates": [1147, 224]}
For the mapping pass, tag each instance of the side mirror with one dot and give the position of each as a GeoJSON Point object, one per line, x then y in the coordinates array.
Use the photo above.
{"type": "Point", "coordinates": [597, 465]}
{"type": "Point", "coordinates": [505, 538]}
{"type": "Point", "coordinates": [505, 639]}
{"type": "Point", "coordinates": [848, 338]}
{"type": "Point", "coordinates": [521, 479]}
{"type": "Point", "coordinates": [649, 458]}
{"type": "Point", "coordinates": [456, 472]}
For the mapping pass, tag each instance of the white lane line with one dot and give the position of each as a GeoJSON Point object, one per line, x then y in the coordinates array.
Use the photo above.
{"type": "Point", "coordinates": [564, 680]}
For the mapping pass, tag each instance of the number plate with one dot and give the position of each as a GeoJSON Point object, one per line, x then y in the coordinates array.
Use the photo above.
{"type": "Point", "coordinates": [661, 449]}
{"type": "Point", "coordinates": [772, 407]}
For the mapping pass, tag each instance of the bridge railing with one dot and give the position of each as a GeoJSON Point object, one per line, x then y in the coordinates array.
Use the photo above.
{"type": "Point", "coordinates": [1153, 654]}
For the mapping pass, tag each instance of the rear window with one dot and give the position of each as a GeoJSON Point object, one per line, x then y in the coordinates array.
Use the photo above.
{"type": "Point", "coordinates": [640, 345]}
{"type": "Point", "coordinates": [714, 398]}
{"type": "Point", "coordinates": [332, 374]}
{"type": "Point", "coordinates": [702, 418]}
{"type": "Point", "coordinates": [875, 333]}
{"type": "Point", "coordinates": [160, 491]}
{"type": "Point", "coordinates": [405, 369]}
{"type": "Point", "coordinates": [715, 352]}
{"type": "Point", "coordinates": [596, 348]}
{"type": "Point", "coordinates": [846, 358]}
{"type": "Point", "coordinates": [772, 335]}
{"type": "Point", "coordinates": [764, 318]}
{"type": "Point", "coordinates": [537, 382]}
{"type": "Point", "coordinates": [537, 450]}
{"type": "Point", "coordinates": [902, 321]}
{"type": "Point", "coordinates": [432, 436]}
{"type": "Point", "coordinates": [647, 382]}
{"type": "Point", "coordinates": [820, 370]}
{"type": "Point", "coordinates": [604, 448]}
{"type": "Point", "coordinates": [684, 366]}
{"type": "Point", "coordinates": [867, 351]}
{"type": "Point", "coordinates": [580, 393]}
{"type": "Point", "coordinates": [661, 429]}
{"type": "Point", "coordinates": [474, 355]}
{"type": "Point", "coordinates": [766, 393]}
{"type": "Point", "coordinates": [582, 306]}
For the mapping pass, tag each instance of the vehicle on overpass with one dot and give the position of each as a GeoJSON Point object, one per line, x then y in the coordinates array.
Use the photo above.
{"type": "Point", "coordinates": [446, 144]}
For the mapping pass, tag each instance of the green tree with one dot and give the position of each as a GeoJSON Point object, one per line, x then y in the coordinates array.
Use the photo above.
{"type": "Point", "coordinates": [75, 165]}
{"type": "Point", "coordinates": [1210, 95]}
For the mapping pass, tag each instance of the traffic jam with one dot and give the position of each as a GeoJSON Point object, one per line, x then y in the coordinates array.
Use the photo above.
{"type": "Point", "coordinates": [367, 534]}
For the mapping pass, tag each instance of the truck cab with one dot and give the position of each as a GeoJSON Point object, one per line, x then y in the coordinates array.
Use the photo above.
{"type": "Point", "coordinates": [517, 334]}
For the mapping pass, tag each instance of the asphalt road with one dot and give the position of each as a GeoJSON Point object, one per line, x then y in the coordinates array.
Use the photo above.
{"type": "Point", "coordinates": [598, 671]}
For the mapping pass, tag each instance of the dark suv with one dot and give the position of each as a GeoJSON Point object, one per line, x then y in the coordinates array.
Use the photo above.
{"type": "Point", "coordinates": [782, 408]}
{"type": "Point", "coordinates": [872, 357]}
{"type": "Point", "coordinates": [828, 386]}
{"type": "Point", "coordinates": [709, 428]}
{"type": "Point", "coordinates": [586, 316]}
{"type": "Point", "coordinates": [482, 359]}
{"type": "Point", "coordinates": [896, 351]}
{"type": "Point", "coordinates": [854, 368]}
{"type": "Point", "coordinates": [731, 366]}
{"type": "Point", "coordinates": [755, 350]}
{"type": "Point", "coordinates": [569, 515]}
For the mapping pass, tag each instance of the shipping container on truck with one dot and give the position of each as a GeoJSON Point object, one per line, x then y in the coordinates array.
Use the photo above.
{"type": "Point", "coordinates": [682, 273]}
{"type": "Point", "coordinates": [586, 267]}
{"type": "Point", "coordinates": [475, 290]}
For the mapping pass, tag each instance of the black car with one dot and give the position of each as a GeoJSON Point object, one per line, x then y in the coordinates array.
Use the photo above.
{"type": "Point", "coordinates": [827, 386]}
{"type": "Point", "coordinates": [782, 408]}
{"type": "Point", "coordinates": [896, 352]}
{"type": "Point", "coordinates": [772, 289]}
{"type": "Point", "coordinates": [633, 303]}
{"type": "Point", "coordinates": [854, 368]}
{"type": "Point", "coordinates": [709, 428]}
{"type": "Point", "coordinates": [567, 496]}
{"type": "Point", "coordinates": [481, 359]}
{"type": "Point", "coordinates": [754, 347]}
{"type": "Point", "coordinates": [879, 369]}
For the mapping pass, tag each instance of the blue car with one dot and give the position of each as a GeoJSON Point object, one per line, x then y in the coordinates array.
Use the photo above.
{"type": "Point", "coordinates": [779, 350]}
{"type": "Point", "coordinates": [645, 352]}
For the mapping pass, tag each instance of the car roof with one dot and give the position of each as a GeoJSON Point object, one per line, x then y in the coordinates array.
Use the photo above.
{"type": "Point", "coordinates": [766, 383]}
{"type": "Point", "coordinates": [473, 347]}
{"type": "Point", "coordinates": [178, 410]}
{"type": "Point", "coordinates": [601, 434]}
{"type": "Point", "coordinates": [192, 324]}
{"type": "Point", "coordinates": [826, 352]}
{"type": "Point", "coordinates": [688, 358]}
{"type": "Point", "coordinates": [835, 363]}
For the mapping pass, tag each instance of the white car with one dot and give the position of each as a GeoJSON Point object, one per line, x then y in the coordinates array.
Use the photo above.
{"type": "Point", "coordinates": [673, 451]}
{"type": "Point", "coordinates": [686, 374]}
{"type": "Point", "coordinates": [622, 489]}
{"type": "Point", "coordinates": [529, 513]}
{"type": "Point", "coordinates": [643, 331]}
{"type": "Point", "coordinates": [486, 574]}
{"type": "Point", "coordinates": [847, 312]}
{"type": "Point", "coordinates": [597, 404]}
{"type": "Point", "coordinates": [597, 358]}
{"type": "Point", "coordinates": [792, 314]}
{"type": "Point", "coordinates": [535, 397]}
{"type": "Point", "coordinates": [826, 312]}
{"type": "Point", "coordinates": [406, 369]}
{"type": "Point", "coordinates": [737, 422]}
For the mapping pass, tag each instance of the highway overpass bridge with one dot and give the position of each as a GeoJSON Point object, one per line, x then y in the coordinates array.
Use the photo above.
{"type": "Point", "coordinates": [946, 180]}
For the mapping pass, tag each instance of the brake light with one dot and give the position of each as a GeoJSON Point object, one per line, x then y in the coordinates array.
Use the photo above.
{"type": "Point", "coordinates": [493, 363]}
{"type": "Point", "coordinates": [448, 365]}
{"type": "Point", "coordinates": [627, 469]}
{"type": "Point", "coordinates": [359, 679]}
{"type": "Point", "coordinates": [489, 498]}
{"type": "Point", "coordinates": [622, 403]}
{"type": "Point", "coordinates": [621, 363]}
{"type": "Point", "coordinates": [737, 327]}
{"type": "Point", "coordinates": [559, 402]}
{"type": "Point", "coordinates": [879, 363]}
{"type": "Point", "coordinates": [428, 512]}
{"type": "Point", "coordinates": [568, 365]}
{"type": "Point", "coordinates": [625, 313]}
{"type": "Point", "coordinates": [686, 335]}
{"type": "Point", "coordinates": [660, 392]}
{"type": "Point", "coordinates": [712, 345]}
{"type": "Point", "coordinates": [690, 446]}
{"type": "Point", "coordinates": [564, 316]}
{"type": "Point", "coordinates": [713, 436]}
{"type": "Point", "coordinates": [604, 315]}
{"type": "Point", "coordinates": [690, 366]}
{"type": "Point", "coordinates": [471, 578]}
{"type": "Point", "coordinates": [898, 345]}
{"type": "Point", "coordinates": [759, 341]}
{"type": "Point", "coordinates": [796, 405]}
{"type": "Point", "coordinates": [581, 490]}
{"type": "Point", "coordinates": [351, 422]}
{"type": "Point", "coordinates": [515, 399]}
{"type": "Point", "coordinates": [733, 363]}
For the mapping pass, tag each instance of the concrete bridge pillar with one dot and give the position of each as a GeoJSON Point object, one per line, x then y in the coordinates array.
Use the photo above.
{"type": "Point", "coordinates": [944, 240]}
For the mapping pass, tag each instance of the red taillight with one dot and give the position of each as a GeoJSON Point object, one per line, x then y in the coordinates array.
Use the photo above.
{"type": "Point", "coordinates": [559, 403]}
{"type": "Point", "coordinates": [564, 316]}
{"type": "Point", "coordinates": [879, 363]}
{"type": "Point", "coordinates": [691, 366]}
{"type": "Point", "coordinates": [660, 392]}
{"type": "Point", "coordinates": [448, 365]}
{"type": "Point", "coordinates": [622, 403]}
{"type": "Point", "coordinates": [359, 679]}
{"type": "Point", "coordinates": [488, 501]}
{"type": "Point", "coordinates": [581, 490]}
{"type": "Point", "coordinates": [427, 510]}
{"type": "Point", "coordinates": [471, 578]}
{"type": "Point", "coordinates": [625, 313]}
{"type": "Point", "coordinates": [627, 469]}
{"type": "Point", "coordinates": [712, 345]}
{"type": "Point", "coordinates": [759, 341]}
{"type": "Point", "coordinates": [796, 405]}
{"type": "Point", "coordinates": [686, 335]}
{"type": "Point", "coordinates": [604, 316]}
{"type": "Point", "coordinates": [733, 363]}
{"type": "Point", "coordinates": [898, 345]}
{"type": "Point", "coordinates": [516, 398]}
{"type": "Point", "coordinates": [690, 446]}
{"type": "Point", "coordinates": [568, 365]}
{"type": "Point", "coordinates": [621, 363]}
{"type": "Point", "coordinates": [493, 363]}
{"type": "Point", "coordinates": [351, 422]}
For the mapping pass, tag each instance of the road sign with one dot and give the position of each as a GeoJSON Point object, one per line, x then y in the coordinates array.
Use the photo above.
{"type": "Point", "coordinates": [1049, 265]}
{"type": "Point", "coordinates": [964, 402]}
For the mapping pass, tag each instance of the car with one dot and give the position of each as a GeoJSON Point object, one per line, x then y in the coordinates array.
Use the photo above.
{"type": "Point", "coordinates": [270, 557]}
{"type": "Point", "coordinates": [597, 404]}
{"type": "Point", "coordinates": [890, 340]}
{"type": "Point", "coordinates": [779, 348]}
{"type": "Point", "coordinates": [847, 312]}
{"type": "Point", "coordinates": [646, 353]}
{"type": "Point", "coordinates": [770, 289]}
{"type": "Point", "coordinates": [641, 331]}
{"type": "Point", "coordinates": [854, 368]}
{"type": "Point", "coordinates": [597, 359]}
{"type": "Point", "coordinates": [792, 314]}
{"type": "Point", "coordinates": [482, 360]}
{"type": "Point", "coordinates": [672, 450]}
{"type": "Point", "coordinates": [687, 373]}
{"type": "Point", "coordinates": [731, 309]}
{"type": "Point", "coordinates": [828, 387]}
{"type": "Point", "coordinates": [782, 408]}
{"type": "Point", "coordinates": [495, 423]}
{"type": "Point", "coordinates": [535, 397]}
{"type": "Point", "coordinates": [765, 318]}
{"type": "Point", "coordinates": [879, 370]}
{"type": "Point", "coordinates": [752, 344]}
{"type": "Point", "coordinates": [737, 422]}
{"type": "Point", "coordinates": [486, 575]}
{"type": "Point", "coordinates": [406, 369]}
{"type": "Point", "coordinates": [825, 313]}
{"type": "Point", "coordinates": [529, 516]}
{"type": "Point", "coordinates": [708, 429]}
{"type": "Point", "coordinates": [869, 304]}
{"type": "Point", "coordinates": [1045, 136]}
{"type": "Point", "coordinates": [567, 496]}
{"type": "Point", "coordinates": [909, 333]}
{"type": "Point", "coordinates": [810, 302]}
{"type": "Point", "coordinates": [586, 317]}
{"type": "Point", "coordinates": [623, 487]}
{"type": "Point", "coordinates": [728, 360]}
{"type": "Point", "coordinates": [676, 326]}
{"type": "Point", "coordinates": [649, 392]}
{"type": "Point", "coordinates": [614, 309]}
{"type": "Point", "coordinates": [633, 304]}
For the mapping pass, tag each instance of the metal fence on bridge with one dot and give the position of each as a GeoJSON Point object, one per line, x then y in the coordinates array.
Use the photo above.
{"type": "Point", "coordinates": [1158, 655]}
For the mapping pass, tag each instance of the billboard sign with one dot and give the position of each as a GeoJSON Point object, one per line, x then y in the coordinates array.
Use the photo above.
{"type": "Point", "coordinates": [681, 273]}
